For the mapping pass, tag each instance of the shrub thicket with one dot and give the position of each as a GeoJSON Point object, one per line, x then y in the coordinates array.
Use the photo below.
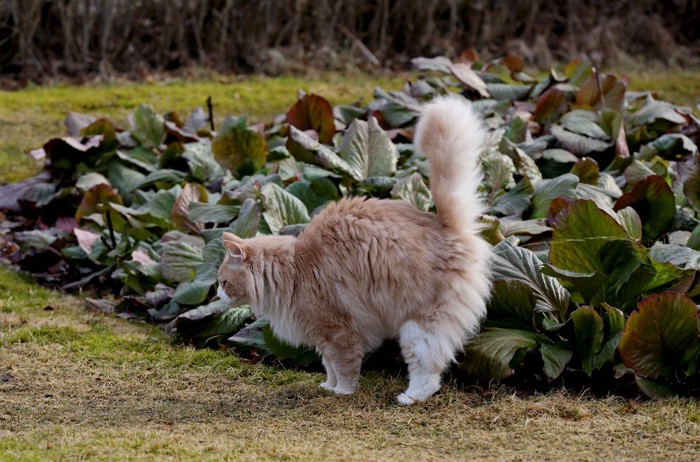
{"type": "Point", "coordinates": [40, 38]}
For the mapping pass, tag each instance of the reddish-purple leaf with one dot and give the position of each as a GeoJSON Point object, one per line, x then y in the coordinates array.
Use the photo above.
{"type": "Point", "coordinates": [313, 112]}
{"type": "Point", "coordinates": [96, 200]}
{"type": "Point", "coordinates": [661, 335]}
{"type": "Point", "coordinates": [550, 106]}
{"type": "Point", "coordinates": [587, 171]}
{"type": "Point", "coordinates": [655, 203]}
{"type": "Point", "coordinates": [192, 192]}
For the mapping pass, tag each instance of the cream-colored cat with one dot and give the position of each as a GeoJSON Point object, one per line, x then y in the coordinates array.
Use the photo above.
{"type": "Point", "coordinates": [366, 270]}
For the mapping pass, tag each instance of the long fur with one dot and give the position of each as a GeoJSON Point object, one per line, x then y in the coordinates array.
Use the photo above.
{"type": "Point", "coordinates": [367, 270]}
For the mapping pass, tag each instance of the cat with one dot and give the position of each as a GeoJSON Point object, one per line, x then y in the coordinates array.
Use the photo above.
{"type": "Point", "coordinates": [365, 270]}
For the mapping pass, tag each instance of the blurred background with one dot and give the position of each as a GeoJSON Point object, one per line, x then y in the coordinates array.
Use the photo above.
{"type": "Point", "coordinates": [74, 39]}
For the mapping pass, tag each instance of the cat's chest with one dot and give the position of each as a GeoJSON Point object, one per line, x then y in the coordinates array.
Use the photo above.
{"type": "Point", "coordinates": [287, 330]}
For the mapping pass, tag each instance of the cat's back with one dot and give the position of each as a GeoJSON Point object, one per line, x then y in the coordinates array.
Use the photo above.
{"type": "Point", "coordinates": [360, 220]}
{"type": "Point", "coordinates": [373, 240]}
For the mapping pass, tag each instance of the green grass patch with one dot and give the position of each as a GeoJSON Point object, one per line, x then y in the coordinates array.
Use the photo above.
{"type": "Point", "coordinates": [19, 293]}
{"type": "Point", "coordinates": [30, 117]}
{"type": "Point", "coordinates": [678, 87]}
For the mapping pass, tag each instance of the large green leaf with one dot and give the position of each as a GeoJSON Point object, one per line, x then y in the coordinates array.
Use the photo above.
{"type": "Point", "coordinates": [202, 164]}
{"type": "Point", "coordinates": [673, 145]}
{"type": "Point", "coordinates": [498, 176]}
{"type": "Point", "coordinates": [212, 321]}
{"type": "Point", "coordinates": [629, 219]}
{"type": "Point", "coordinates": [212, 213]}
{"type": "Point", "coordinates": [515, 201]}
{"type": "Point", "coordinates": [413, 189]}
{"type": "Point", "coordinates": [593, 251]}
{"type": "Point", "coordinates": [301, 355]}
{"type": "Point", "coordinates": [555, 358]}
{"type": "Point", "coordinates": [584, 122]}
{"type": "Point", "coordinates": [162, 179]}
{"type": "Point", "coordinates": [678, 255]}
{"type": "Point", "coordinates": [580, 232]}
{"type": "Point", "coordinates": [614, 321]}
{"type": "Point", "coordinates": [205, 276]}
{"type": "Point", "coordinates": [523, 227]}
{"type": "Point", "coordinates": [662, 337]}
{"type": "Point", "coordinates": [579, 144]}
{"type": "Point", "coordinates": [124, 179]}
{"type": "Point", "coordinates": [192, 292]}
{"type": "Point", "coordinates": [239, 148]}
{"type": "Point", "coordinates": [282, 208]}
{"type": "Point", "coordinates": [512, 305]}
{"type": "Point", "coordinates": [368, 150]}
{"type": "Point", "coordinates": [517, 264]}
{"type": "Point", "coordinates": [588, 332]}
{"type": "Point", "coordinates": [180, 257]}
{"type": "Point", "coordinates": [548, 190]}
{"type": "Point", "coordinates": [320, 153]}
{"type": "Point", "coordinates": [148, 127]}
{"type": "Point", "coordinates": [655, 203]}
{"type": "Point", "coordinates": [251, 336]}
{"type": "Point", "coordinates": [653, 110]}
{"type": "Point", "coordinates": [508, 92]}
{"type": "Point", "coordinates": [88, 180]}
{"type": "Point", "coordinates": [314, 193]}
{"type": "Point", "coordinates": [248, 221]}
{"type": "Point", "coordinates": [489, 355]}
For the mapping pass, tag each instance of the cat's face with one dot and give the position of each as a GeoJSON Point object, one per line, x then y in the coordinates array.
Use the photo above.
{"type": "Point", "coordinates": [235, 276]}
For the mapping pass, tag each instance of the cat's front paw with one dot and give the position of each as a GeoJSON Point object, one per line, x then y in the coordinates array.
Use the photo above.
{"type": "Point", "coordinates": [405, 400]}
{"type": "Point", "coordinates": [327, 386]}
{"type": "Point", "coordinates": [342, 391]}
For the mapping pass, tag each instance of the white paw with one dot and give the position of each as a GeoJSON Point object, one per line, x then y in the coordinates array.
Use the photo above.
{"type": "Point", "coordinates": [327, 386]}
{"type": "Point", "coordinates": [342, 391]}
{"type": "Point", "coordinates": [404, 399]}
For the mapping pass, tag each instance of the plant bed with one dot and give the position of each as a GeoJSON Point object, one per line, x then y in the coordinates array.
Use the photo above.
{"type": "Point", "coordinates": [592, 194]}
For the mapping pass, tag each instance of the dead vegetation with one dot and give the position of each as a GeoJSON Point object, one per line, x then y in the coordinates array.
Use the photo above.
{"type": "Point", "coordinates": [80, 385]}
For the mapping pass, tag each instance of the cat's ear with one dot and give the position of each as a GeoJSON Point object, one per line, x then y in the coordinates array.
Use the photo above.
{"type": "Point", "coordinates": [236, 251]}
{"type": "Point", "coordinates": [231, 237]}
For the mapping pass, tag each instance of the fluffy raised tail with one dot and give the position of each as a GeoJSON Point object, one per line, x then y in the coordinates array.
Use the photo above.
{"type": "Point", "coordinates": [451, 134]}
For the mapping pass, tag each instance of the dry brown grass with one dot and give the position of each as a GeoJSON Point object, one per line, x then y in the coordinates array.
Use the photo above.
{"type": "Point", "coordinates": [81, 385]}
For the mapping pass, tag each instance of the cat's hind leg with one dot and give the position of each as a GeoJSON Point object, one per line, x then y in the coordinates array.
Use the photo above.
{"type": "Point", "coordinates": [426, 355]}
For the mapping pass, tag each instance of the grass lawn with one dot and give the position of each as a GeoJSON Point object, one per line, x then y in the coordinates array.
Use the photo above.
{"type": "Point", "coordinates": [76, 384]}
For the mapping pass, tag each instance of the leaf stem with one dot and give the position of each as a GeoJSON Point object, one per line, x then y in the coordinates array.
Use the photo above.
{"type": "Point", "coordinates": [111, 229]}
{"type": "Point", "coordinates": [210, 107]}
